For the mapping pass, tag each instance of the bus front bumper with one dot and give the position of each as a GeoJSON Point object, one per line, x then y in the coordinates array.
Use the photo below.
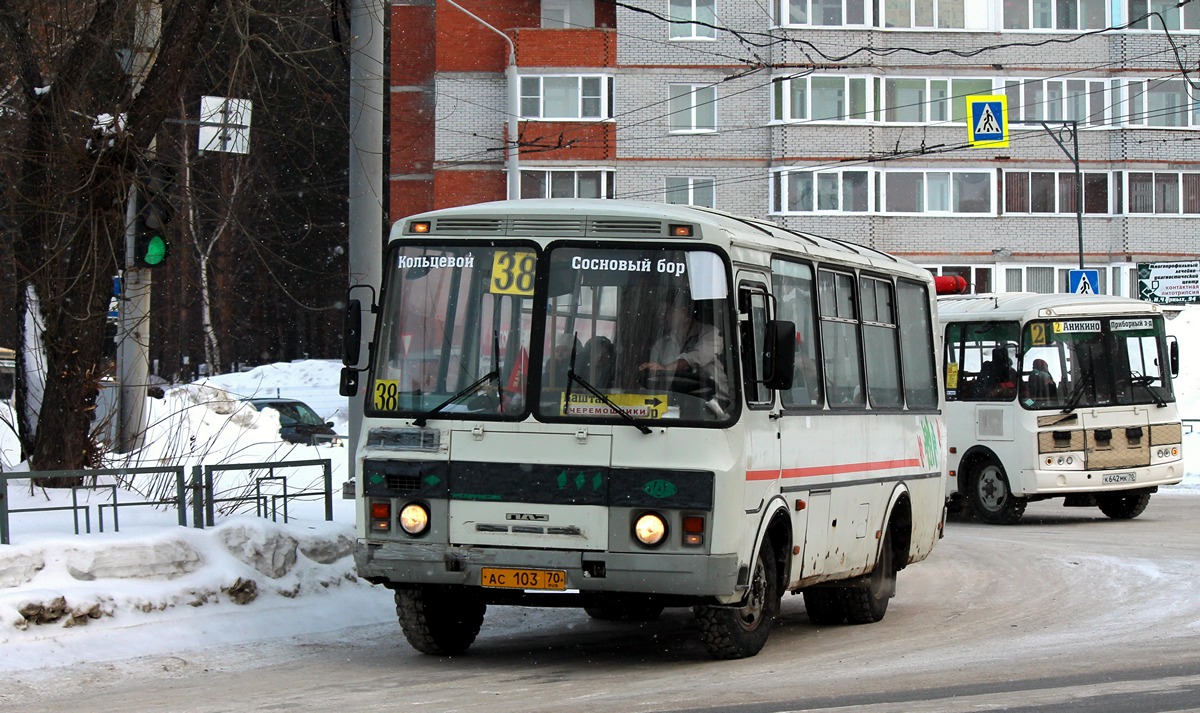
{"type": "Point", "coordinates": [1058, 482]}
{"type": "Point", "coordinates": [699, 575]}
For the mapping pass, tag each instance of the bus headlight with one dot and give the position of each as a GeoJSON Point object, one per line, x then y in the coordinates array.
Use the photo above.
{"type": "Point", "coordinates": [650, 529]}
{"type": "Point", "coordinates": [414, 519]}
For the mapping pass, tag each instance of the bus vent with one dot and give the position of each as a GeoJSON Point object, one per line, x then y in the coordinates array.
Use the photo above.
{"type": "Point", "coordinates": [472, 226]}
{"type": "Point", "coordinates": [553, 227]}
{"type": "Point", "coordinates": [621, 228]}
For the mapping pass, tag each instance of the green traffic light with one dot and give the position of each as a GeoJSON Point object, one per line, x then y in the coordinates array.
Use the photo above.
{"type": "Point", "coordinates": [155, 250]}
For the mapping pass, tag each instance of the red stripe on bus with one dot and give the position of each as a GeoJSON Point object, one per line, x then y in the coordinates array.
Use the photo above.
{"type": "Point", "coordinates": [831, 469]}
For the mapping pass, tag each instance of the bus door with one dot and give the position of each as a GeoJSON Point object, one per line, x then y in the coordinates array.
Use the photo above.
{"type": "Point", "coordinates": [760, 418]}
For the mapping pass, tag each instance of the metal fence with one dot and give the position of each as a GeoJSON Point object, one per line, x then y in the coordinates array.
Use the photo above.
{"type": "Point", "coordinates": [201, 486]}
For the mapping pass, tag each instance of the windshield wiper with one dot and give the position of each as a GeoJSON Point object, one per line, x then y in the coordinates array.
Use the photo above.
{"type": "Point", "coordinates": [1077, 394]}
{"type": "Point", "coordinates": [1144, 381]}
{"type": "Point", "coordinates": [572, 376]}
{"type": "Point", "coordinates": [423, 418]}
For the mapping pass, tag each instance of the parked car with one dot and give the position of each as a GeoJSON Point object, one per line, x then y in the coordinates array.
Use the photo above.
{"type": "Point", "coordinates": [298, 423]}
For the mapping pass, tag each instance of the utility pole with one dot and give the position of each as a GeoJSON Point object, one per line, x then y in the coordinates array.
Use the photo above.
{"type": "Point", "coordinates": [133, 348]}
{"type": "Point", "coordinates": [366, 172]}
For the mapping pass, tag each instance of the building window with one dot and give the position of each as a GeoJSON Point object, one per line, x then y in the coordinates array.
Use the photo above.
{"type": "Point", "coordinates": [567, 14]}
{"type": "Point", "coordinates": [685, 190]}
{"type": "Point", "coordinates": [1173, 16]}
{"type": "Point", "coordinates": [1054, 192]}
{"type": "Point", "coordinates": [693, 19]}
{"type": "Point", "coordinates": [820, 98]}
{"type": "Point", "coordinates": [1082, 100]}
{"type": "Point", "coordinates": [559, 97]}
{"type": "Point", "coordinates": [1164, 192]}
{"type": "Point", "coordinates": [919, 100]}
{"type": "Point", "coordinates": [1055, 14]}
{"type": "Point", "coordinates": [847, 191]}
{"type": "Point", "coordinates": [824, 13]}
{"type": "Point", "coordinates": [566, 184]}
{"type": "Point", "coordinates": [944, 14]}
{"type": "Point", "coordinates": [693, 108]}
{"type": "Point", "coordinates": [1161, 103]}
{"type": "Point", "coordinates": [938, 192]}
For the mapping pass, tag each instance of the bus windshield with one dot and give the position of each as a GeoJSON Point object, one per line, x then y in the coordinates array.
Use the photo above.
{"type": "Point", "coordinates": [636, 333]}
{"type": "Point", "coordinates": [1073, 363]}
{"type": "Point", "coordinates": [455, 336]}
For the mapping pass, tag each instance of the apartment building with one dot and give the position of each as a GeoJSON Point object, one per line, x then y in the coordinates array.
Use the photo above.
{"type": "Point", "coordinates": [846, 118]}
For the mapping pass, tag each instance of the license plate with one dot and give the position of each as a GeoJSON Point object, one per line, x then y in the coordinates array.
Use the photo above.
{"type": "Point", "coordinates": [507, 578]}
{"type": "Point", "coordinates": [1121, 478]}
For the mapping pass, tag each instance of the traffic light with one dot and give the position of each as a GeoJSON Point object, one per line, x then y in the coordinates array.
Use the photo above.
{"type": "Point", "coordinates": [150, 243]}
{"type": "Point", "coordinates": [151, 246]}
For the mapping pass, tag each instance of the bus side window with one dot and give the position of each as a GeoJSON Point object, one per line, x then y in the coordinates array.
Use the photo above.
{"type": "Point", "coordinates": [795, 295]}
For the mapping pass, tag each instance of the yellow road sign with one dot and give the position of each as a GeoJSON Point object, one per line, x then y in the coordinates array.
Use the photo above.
{"type": "Point", "coordinates": [987, 121]}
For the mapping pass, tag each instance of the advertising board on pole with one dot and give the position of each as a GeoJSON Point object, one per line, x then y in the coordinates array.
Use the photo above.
{"type": "Point", "coordinates": [1169, 282]}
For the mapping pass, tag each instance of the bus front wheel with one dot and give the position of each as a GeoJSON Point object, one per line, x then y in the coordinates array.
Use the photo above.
{"type": "Point", "coordinates": [991, 497]}
{"type": "Point", "coordinates": [740, 632]}
{"type": "Point", "coordinates": [442, 622]}
{"type": "Point", "coordinates": [1124, 505]}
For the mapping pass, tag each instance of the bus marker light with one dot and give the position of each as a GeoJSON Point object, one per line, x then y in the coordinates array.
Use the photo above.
{"type": "Point", "coordinates": [681, 231]}
{"type": "Point", "coordinates": [800, 504]}
{"type": "Point", "coordinates": [693, 523]}
{"type": "Point", "coordinates": [420, 226]}
{"type": "Point", "coordinates": [381, 511]}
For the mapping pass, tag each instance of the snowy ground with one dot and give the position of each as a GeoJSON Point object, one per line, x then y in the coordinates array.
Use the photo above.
{"type": "Point", "coordinates": [154, 587]}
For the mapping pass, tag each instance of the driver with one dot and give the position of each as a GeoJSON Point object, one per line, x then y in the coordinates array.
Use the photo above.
{"type": "Point", "coordinates": [689, 346]}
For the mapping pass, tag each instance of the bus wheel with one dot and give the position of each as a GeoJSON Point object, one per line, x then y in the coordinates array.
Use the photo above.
{"type": "Point", "coordinates": [1124, 505]}
{"type": "Point", "coordinates": [438, 621]}
{"type": "Point", "coordinates": [824, 606]}
{"type": "Point", "coordinates": [867, 604]}
{"type": "Point", "coordinates": [991, 498]}
{"type": "Point", "coordinates": [739, 632]}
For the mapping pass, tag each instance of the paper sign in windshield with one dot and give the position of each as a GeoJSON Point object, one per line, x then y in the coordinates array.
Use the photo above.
{"type": "Point", "coordinates": [636, 405]}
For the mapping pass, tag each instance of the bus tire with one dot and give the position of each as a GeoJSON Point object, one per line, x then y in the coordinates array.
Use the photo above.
{"type": "Point", "coordinates": [867, 603]}
{"type": "Point", "coordinates": [990, 495]}
{"type": "Point", "coordinates": [824, 606]}
{"type": "Point", "coordinates": [740, 632]}
{"type": "Point", "coordinates": [1124, 505]}
{"type": "Point", "coordinates": [441, 622]}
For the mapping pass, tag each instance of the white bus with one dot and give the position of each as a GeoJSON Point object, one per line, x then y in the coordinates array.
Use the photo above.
{"type": "Point", "coordinates": [1058, 396]}
{"type": "Point", "coordinates": [623, 406]}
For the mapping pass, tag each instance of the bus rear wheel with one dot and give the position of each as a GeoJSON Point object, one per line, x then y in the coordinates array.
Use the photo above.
{"type": "Point", "coordinates": [1124, 505]}
{"type": "Point", "coordinates": [439, 621]}
{"type": "Point", "coordinates": [740, 632]}
{"type": "Point", "coordinates": [868, 603]}
{"type": "Point", "coordinates": [824, 606]}
{"type": "Point", "coordinates": [991, 498]}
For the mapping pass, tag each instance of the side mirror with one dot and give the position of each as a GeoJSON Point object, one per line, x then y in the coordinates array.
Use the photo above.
{"type": "Point", "coordinates": [348, 383]}
{"type": "Point", "coordinates": [779, 355]}
{"type": "Point", "coordinates": [352, 333]}
{"type": "Point", "coordinates": [1174, 349]}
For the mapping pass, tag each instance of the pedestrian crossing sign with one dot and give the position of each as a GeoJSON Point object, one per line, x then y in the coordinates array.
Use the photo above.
{"type": "Point", "coordinates": [987, 121]}
{"type": "Point", "coordinates": [1084, 282]}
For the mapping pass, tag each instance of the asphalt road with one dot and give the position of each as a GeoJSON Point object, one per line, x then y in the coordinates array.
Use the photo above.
{"type": "Point", "coordinates": [1066, 611]}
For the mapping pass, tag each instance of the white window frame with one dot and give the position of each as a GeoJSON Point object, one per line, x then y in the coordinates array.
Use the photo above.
{"type": "Point", "coordinates": [787, 180]}
{"type": "Point", "coordinates": [1180, 199]}
{"type": "Point", "coordinates": [685, 16]}
{"type": "Point", "coordinates": [533, 91]}
{"type": "Point", "coordinates": [944, 179]}
{"type": "Point", "coordinates": [931, 15]}
{"type": "Point", "coordinates": [942, 99]}
{"type": "Point", "coordinates": [1033, 99]}
{"type": "Point", "coordinates": [607, 180]}
{"type": "Point", "coordinates": [685, 103]}
{"type": "Point", "coordinates": [688, 187]}
{"type": "Point", "coordinates": [789, 19]}
{"type": "Point", "coordinates": [1138, 93]}
{"type": "Point", "coordinates": [1136, 8]}
{"type": "Point", "coordinates": [1051, 23]}
{"type": "Point", "coordinates": [1059, 178]}
{"type": "Point", "coordinates": [784, 88]}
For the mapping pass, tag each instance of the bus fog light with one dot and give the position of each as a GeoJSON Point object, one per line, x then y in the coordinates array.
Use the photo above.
{"type": "Point", "coordinates": [414, 519]}
{"type": "Point", "coordinates": [650, 529]}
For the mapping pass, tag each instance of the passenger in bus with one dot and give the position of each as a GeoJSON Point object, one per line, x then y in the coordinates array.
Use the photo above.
{"type": "Point", "coordinates": [689, 346]}
{"type": "Point", "coordinates": [998, 378]}
{"type": "Point", "coordinates": [554, 373]}
{"type": "Point", "coordinates": [1041, 384]}
{"type": "Point", "coordinates": [597, 361]}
